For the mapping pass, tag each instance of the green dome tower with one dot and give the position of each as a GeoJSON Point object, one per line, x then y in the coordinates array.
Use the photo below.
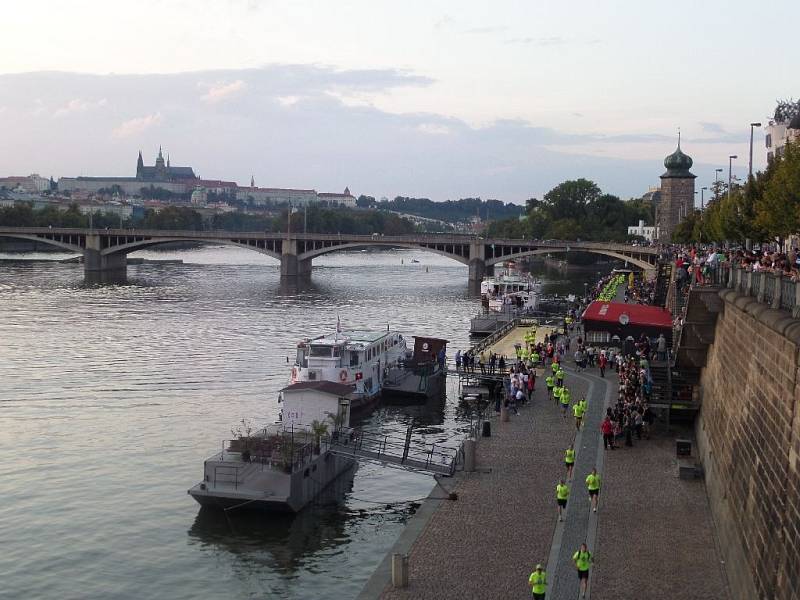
{"type": "Point", "coordinates": [677, 193]}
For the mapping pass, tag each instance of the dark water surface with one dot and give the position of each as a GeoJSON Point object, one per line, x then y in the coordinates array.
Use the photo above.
{"type": "Point", "coordinates": [112, 396]}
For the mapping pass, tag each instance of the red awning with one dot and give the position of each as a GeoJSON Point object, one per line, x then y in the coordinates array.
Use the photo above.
{"type": "Point", "coordinates": [635, 314]}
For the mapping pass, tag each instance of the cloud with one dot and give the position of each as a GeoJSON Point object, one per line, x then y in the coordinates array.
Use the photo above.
{"type": "Point", "coordinates": [78, 105]}
{"type": "Point", "coordinates": [297, 126]}
{"type": "Point", "coordinates": [136, 126]}
{"type": "Point", "coordinates": [433, 128]}
{"type": "Point", "coordinates": [487, 29]}
{"type": "Point", "coordinates": [712, 127]}
{"type": "Point", "coordinates": [223, 91]}
{"type": "Point", "coordinates": [538, 41]}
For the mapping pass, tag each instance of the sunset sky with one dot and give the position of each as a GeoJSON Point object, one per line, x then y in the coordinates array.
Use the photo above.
{"type": "Point", "coordinates": [438, 99]}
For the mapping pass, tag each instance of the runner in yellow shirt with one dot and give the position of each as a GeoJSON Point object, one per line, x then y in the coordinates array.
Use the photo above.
{"type": "Point", "coordinates": [583, 560]}
{"type": "Point", "coordinates": [593, 485]}
{"type": "Point", "coordinates": [562, 493]}
{"type": "Point", "coordinates": [569, 460]}
{"type": "Point", "coordinates": [538, 582]}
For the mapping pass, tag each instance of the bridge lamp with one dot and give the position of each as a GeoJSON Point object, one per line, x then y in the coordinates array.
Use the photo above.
{"type": "Point", "coordinates": [730, 173]}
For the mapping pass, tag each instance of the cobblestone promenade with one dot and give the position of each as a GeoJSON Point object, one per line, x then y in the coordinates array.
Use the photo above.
{"type": "Point", "coordinates": [652, 536]}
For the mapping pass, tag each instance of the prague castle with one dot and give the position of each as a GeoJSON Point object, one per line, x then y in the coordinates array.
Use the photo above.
{"type": "Point", "coordinates": [184, 181]}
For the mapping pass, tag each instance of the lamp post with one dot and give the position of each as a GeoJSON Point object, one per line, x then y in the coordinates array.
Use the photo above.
{"type": "Point", "coordinates": [751, 148]}
{"type": "Point", "coordinates": [702, 199]}
{"type": "Point", "coordinates": [716, 174]}
{"type": "Point", "coordinates": [730, 173]}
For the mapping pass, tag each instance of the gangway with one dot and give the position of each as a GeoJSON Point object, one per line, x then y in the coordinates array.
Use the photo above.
{"type": "Point", "coordinates": [394, 450]}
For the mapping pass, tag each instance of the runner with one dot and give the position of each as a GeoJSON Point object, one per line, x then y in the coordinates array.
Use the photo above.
{"type": "Point", "coordinates": [565, 397]}
{"type": "Point", "coordinates": [593, 484]}
{"type": "Point", "coordinates": [560, 375]}
{"type": "Point", "coordinates": [577, 411]}
{"type": "Point", "coordinates": [583, 559]}
{"type": "Point", "coordinates": [562, 493]}
{"type": "Point", "coordinates": [538, 582]}
{"type": "Point", "coordinates": [569, 460]}
{"type": "Point", "coordinates": [550, 382]}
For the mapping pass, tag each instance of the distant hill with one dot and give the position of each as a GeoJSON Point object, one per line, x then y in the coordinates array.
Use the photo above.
{"type": "Point", "coordinates": [450, 211]}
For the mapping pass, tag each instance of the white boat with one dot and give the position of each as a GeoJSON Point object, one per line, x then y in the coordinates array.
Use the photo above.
{"type": "Point", "coordinates": [523, 300]}
{"type": "Point", "coordinates": [508, 281]}
{"type": "Point", "coordinates": [358, 358]}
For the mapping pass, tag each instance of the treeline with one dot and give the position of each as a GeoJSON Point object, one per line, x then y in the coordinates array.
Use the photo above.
{"type": "Point", "coordinates": [315, 220]}
{"type": "Point", "coordinates": [451, 211]}
{"type": "Point", "coordinates": [765, 208]}
{"type": "Point", "coordinates": [576, 210]}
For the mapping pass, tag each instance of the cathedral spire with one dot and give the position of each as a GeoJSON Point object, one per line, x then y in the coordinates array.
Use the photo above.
{"type": "Point", "coordinates": [252, 182]}
{"type": "Point", "coordinates": [161, 156]}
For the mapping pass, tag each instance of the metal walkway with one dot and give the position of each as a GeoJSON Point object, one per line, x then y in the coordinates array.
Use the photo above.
{"type": "Point", "coordinates": [393, 450]}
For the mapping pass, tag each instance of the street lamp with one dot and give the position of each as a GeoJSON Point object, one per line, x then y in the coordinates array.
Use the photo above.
{"type": "Point", "coordinates": [716, 174]}
{"type": "Point", "coordinates": [702, 199]}
{"type": "Point", "coordinates": [730, 173]}
{"type": "Point", "coordinates": [751, 147]}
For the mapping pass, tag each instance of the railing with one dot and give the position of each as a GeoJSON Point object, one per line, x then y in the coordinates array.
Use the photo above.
{"type": "Point", "coordinates": [772, 289]}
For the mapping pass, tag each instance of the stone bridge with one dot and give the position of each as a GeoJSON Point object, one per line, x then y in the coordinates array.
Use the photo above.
{"type": "Point", "coordinates": [105, 250]}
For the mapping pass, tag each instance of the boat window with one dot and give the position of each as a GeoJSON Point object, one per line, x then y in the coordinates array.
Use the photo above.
{"type": "Point", "coordinates": [321, 351]}
{"type": "Point", "coordinates": [337, 351]}
{"type": "Point", "coordinates": [354, 359]}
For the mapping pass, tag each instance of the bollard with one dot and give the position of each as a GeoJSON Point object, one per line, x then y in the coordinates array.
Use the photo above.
{"type": "Point", "coordinates": [504, 414]}
{"type": "Point", "coordinates": [469, 455]}
{"type": "Point", "coordinates": [399, 570]}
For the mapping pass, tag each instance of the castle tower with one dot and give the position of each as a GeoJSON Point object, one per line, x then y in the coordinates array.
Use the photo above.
{"type": "Point", "coordinates": [677, 193]}
{"type": "Point", "coordinates": [139, 166]}
{"type": "Point", "coordinates": [161, 170]}
{"type": "Point", "coordinates": [252, 181]}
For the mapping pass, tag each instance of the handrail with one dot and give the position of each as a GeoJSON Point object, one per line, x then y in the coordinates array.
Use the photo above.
{"type": "Point", "coordinates": [765, 287]}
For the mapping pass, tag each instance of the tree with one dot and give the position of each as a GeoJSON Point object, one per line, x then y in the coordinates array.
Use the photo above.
{"type": "Point", "coordinates": [778, 209]}
{"type": "Point", "coordinates": [570, 198]}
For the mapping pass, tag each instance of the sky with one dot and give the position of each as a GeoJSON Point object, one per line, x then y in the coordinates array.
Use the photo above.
{"type": "Point", "coordinates": [435, 99]}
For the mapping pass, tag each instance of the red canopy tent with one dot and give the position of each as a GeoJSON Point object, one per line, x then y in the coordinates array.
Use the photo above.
{"type": "Point", "coordinates": [612, 322]}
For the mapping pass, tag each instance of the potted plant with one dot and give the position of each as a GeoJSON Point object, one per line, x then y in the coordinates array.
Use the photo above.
{"type": "Point", "coordinates": [241, 434]}
{"type": "Point", "coordinates": [318, 429]}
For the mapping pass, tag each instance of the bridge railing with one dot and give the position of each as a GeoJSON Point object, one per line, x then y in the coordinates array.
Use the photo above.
{"type": "Point", "coordinates": [444, 238]}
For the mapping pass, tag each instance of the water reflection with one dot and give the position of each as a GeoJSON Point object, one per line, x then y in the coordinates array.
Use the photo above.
{"type": "Point", "coordinates": [288, 539]}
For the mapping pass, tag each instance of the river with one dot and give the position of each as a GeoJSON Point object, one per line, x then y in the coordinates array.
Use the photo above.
{"type": "Point", "coordinates": [112, 396]}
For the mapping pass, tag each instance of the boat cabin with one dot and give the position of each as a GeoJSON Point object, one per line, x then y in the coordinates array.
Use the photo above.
{"type": "Point", "coordinates": [323, 401]}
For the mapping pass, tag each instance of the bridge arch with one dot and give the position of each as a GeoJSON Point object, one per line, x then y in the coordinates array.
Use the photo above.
{"type": "Point", "coordinates": [77, 249]}
{"type": "Point", "coordinates": [145, 244]}
{"type": "Point", "coordinates": [377, 243]}
{"type": "Point", "coordinates": [638, 262]}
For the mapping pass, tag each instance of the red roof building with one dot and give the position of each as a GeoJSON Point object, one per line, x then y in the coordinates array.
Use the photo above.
{"type": "Point", "coordinates": [611, 322]}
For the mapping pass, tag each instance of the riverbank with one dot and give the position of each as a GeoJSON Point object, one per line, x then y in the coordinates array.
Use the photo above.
{"type": "Point", "coordinates": [653, 536]}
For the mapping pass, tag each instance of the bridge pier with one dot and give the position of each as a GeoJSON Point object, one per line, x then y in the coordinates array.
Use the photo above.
{"type": "Point", "coordinates": [291, 265]}
{"type": "Point", "coordinates": [95, 262]}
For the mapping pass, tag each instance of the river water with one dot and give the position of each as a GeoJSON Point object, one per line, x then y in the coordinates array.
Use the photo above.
{"type": "Point", "coordinates": [112, 396]}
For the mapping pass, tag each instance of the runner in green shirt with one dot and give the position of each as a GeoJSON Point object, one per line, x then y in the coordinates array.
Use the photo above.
{"type": "Point", "coordinates": [569, 460]}
{"type": "Point", "coordinates": [538, 582]}
{"type": "Point", "coordinates": [565, 398]}
{"type": "Point", "coordinates": [557, 390]}
{"type": "Point", "coordinates": [560, 375]}
{"type": "Point", "coordinates": [554, 367]}
{"type": "Point", "coordinates": [550, 384]}
{"type": "Point", "coordinates": [593, 485]}
{"type": "Point", "coordinates": [583, 560]}
{"type": "Point", "coordinates": [562, 493]}
{"type": "Point", "coordinates": [577, 411]}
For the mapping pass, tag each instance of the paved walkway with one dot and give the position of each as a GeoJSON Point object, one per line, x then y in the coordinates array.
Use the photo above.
{"type": "Point", "coordinates": [485, 544]}
{"type": "Point", "coordinates": [652, 536]}
{"type": "Point", "coordinates": [505, 345]}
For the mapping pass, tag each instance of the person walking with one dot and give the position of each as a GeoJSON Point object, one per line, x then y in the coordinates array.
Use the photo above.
{"type": "Point", "coordinates": [569, 460]}
{"type": "Point", "coordinates": [607, 429]}
{"type": "Point", "coordinates": [593, 485]}
{"type": "Point", "coordinates": [583, 560]}
{"type": "Point", "coordinates": [562, 494]}
{"type": "Point", "coordinates": [602, 363]}
{"type": "Point", "coordinates": [560, 375]}
{"type": "Point", "coordinates": [538, 582]}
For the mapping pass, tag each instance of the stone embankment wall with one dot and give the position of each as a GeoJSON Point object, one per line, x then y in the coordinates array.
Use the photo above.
{"type": "Point", "coordinates": [748, 437]}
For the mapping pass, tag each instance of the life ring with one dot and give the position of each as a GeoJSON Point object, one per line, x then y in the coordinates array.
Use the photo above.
{"type": "Point", "coordinates": [343, 375]}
